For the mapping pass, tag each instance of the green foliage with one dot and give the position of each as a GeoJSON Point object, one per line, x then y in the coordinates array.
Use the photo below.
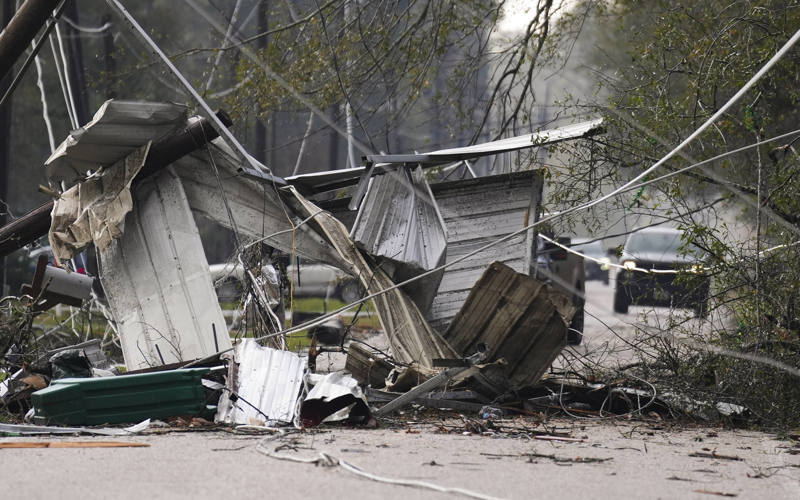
{"type": "Point", "coordinates": [665, 67]}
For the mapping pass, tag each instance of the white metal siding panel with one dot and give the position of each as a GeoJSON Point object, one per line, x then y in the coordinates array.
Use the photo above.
{"type": "Point", "coordinates": [266, 378]}
{"type": "Point", "coordinates": [157, 281]}
{"type": "Point", "coordinates": [477, 212]}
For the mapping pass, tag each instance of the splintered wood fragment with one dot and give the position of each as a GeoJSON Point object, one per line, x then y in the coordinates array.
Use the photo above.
{"type": "Point", "coordinates": [558, 438]}
{"type": "Point", "coordinates": [713, 454]}
{"type": "Point", "coordinates": [520, 319]}
{"type": "Point", "coordinates": [717, 493]}
{"type": "Point", "coordinates": [367, 367]}
{"type": "Point", "coordinates": [72, 444]}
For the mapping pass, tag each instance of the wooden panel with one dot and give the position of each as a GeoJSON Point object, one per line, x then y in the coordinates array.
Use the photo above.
{"type": "Point", "coordinates": [518, 318]}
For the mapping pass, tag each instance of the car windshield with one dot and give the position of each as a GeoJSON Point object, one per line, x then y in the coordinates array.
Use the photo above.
{"type": "Point", "coordinates": [666, 242]}
{"type": "Point", "coordinates": [592, 249]}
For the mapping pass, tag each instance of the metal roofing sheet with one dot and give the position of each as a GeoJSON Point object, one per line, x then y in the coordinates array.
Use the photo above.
{"type": "Point", "coordinates": [538, 138]}
{"type": "Point", "coordinates": [399, 221]}
{"type": "Point", "coordinates": [157, 281]}
{"type": "Point", "coordinates": [266, 378]}
{"type": "Point", "coordinates": [322, 181]}
{"type": "Point", "coordinates": [115, 131]}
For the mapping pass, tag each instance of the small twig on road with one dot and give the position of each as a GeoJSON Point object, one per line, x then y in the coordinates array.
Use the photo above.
{"type": "Point", "coordinates": [714, 454]}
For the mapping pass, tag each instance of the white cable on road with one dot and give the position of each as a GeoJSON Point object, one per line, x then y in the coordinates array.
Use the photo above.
{"type": "Point", "coordinates": [327, 460]}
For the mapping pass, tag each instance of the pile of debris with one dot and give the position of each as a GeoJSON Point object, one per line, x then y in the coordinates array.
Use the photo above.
{"type": "Point", "coordinates": [458, 309]}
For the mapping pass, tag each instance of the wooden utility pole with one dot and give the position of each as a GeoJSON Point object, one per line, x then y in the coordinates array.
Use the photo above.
{"type": "Point", "coordinates": [21, 29]}
{"type": "Point", "coordinates": [261, 43]}
{"type": "Point", "coordinates": [5, 137]}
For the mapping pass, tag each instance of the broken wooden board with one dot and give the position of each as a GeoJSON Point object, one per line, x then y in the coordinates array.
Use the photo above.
{"type": "Point", "coordinates": [413, 342]}
{"type": "Point", "coordinates": [367, 366]}
{"type": "Point", "coordinates": [518, 318]}
{"type": "Point", "coordinates": [71, 444]}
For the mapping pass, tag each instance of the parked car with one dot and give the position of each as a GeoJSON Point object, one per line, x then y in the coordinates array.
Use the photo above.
{"type": "Point", "coordinates": [310, 280]}
{"type": "Point", "coordinates": [565, 271]}
{"type": "Point", "coordinates": [594, 270]}
{"type": "Point", "coordinates": [660, 249]}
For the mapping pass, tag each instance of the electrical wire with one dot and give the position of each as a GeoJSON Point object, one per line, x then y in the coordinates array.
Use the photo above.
{"type": "Point", "coordinates": [633, 182]}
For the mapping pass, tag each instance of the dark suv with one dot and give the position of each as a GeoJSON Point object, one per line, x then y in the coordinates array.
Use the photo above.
{"type": "Point", "coordinates": [660, 249]}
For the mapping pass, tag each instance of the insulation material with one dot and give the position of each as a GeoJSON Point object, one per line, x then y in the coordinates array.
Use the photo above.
{"type": "Point", "coordinates": [157, 281]}
{"type": "Point", "coordinates": [413, 342]}
{"type": "Point", "coordinates": [518, 318]}
{"type": "Point", "coordinates": [94, 211]}
{"type": "Point", "coordinates": [400, 222]}
{"type": "Point", "coordinates": [266, 378]}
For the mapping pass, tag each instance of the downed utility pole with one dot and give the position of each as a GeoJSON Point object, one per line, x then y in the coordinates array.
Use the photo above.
{"type": "Point", "coordinates": [36, 223]}
{"type": "Point", "coordinates": [22, 28]}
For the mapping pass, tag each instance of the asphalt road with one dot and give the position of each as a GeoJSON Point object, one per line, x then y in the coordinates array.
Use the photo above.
{"type": "Point", "coordinates": [606, 459]}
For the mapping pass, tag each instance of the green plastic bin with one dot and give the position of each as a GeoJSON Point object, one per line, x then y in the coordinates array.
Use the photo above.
{"type": "Point", "coordinates": [121, 399]}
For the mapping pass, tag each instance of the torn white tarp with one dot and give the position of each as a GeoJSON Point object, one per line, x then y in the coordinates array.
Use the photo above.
{"type": "Point", "coordinates": [263, 385]}
{"type": "Point", "coordinates": [333, 398]}
{"type": "Point", "coordinates": [95, 210]}
{"type": "Point", "coordinates": [157, 281]}
{"type": "Point", "coordinates": [116, 130]}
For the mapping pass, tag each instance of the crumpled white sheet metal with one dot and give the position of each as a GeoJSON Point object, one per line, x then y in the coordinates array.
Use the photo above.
{"type": "Point", "coordinates": [116, 130]}
{"type": "Point", "coordinates": [266, 378]}
{"type": "Point", "coordinates": [332, 386]}
{"type": "Point", "coordinates": [157, 281]}
{"type": "Point", "coordinates": [400, 221]}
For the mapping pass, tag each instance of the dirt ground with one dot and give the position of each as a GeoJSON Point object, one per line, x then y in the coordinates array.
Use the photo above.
{"type": "Point", "coordinates": [598, 459]}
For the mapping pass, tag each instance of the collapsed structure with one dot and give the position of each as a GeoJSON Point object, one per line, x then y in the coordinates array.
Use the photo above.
{"type": "Point", "coordinates": [418, 249]}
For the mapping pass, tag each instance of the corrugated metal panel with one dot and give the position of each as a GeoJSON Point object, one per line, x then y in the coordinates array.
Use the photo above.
{"type": "Point", "coordinates": [157, 281]}
{"type": "Point", "coordinates": [116, 130]}
{"type": "Point", "coordinates": [399, 221]}
{"type": "Point", "coordinates": [539, 138]}
{"type": "Point", "coordinates": [411, 338]}
{"type": "Point", "coordinates": [321, 181]}
{"type": "Point", "coordinates": [518, 318]}
{"type": "Point", "coordinates": [266, 378]}
{"type": "Point", "coordinates": [476, 212]}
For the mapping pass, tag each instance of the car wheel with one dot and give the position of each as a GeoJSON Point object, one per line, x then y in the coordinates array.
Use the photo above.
{"type": "Point", "coordinates": [349, 291]}
{"type": "Point", "coordinates": [621, 302]}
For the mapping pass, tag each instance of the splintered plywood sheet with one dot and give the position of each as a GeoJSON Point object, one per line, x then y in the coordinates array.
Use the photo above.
{"type": "Point", "coordinates": [157, 281]}
{"type": "Point", "coordinates": [518, 318]}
